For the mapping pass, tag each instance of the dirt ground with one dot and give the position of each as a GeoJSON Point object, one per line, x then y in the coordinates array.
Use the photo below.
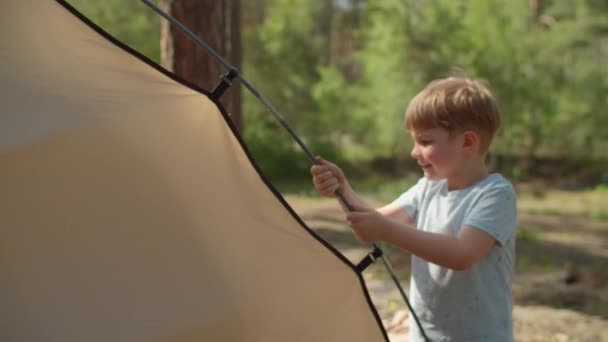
{"type": "Point", "coordinates": [560, 288]}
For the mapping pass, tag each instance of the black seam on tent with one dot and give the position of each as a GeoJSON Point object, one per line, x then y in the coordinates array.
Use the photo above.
{"type": "Point", "coordinates": [235, 132]}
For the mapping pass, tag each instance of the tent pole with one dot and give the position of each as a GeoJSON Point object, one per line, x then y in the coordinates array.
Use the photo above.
{"type": "Point", "coordinates": [232, 72]}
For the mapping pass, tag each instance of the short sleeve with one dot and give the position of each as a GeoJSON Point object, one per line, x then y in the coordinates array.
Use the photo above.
{"type": "Point", "coordinates": [409, 201]}
{"type": "Point", "coordinates": [495, 213]}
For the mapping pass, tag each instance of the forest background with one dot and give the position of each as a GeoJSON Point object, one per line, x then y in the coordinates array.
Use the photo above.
{"type": "Point", "coordinates": [343, 71]}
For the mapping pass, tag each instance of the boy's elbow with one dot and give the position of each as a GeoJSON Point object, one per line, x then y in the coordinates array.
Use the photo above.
{"type": "Point", "coordinates": [461, 264]}
{"type": "Point", "coordinates": [464, 257]}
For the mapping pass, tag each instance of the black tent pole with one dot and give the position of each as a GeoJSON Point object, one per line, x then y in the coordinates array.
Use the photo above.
{"type": "Point", "coordinates": [232, 71]}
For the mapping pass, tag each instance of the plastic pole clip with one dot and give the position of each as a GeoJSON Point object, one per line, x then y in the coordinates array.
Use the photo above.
{"type": "Point", "coordinates": [369, 259]}
{"type": "Point", "coordinates": [224, 83]}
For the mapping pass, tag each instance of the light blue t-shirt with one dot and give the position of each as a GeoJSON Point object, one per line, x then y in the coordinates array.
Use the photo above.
{"type": "Point", "coordinates": [474, 304]}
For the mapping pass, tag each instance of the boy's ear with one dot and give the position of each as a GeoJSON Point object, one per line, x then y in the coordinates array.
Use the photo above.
{"type": "Point", "coordinates": [470, 142]}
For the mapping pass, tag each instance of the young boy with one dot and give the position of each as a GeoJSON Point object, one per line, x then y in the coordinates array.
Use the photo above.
{"type": "Point", "coordinates": [458, 221]}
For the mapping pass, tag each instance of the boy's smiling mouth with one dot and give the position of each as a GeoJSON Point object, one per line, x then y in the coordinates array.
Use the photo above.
{"type": "Point", "coordinates": [424, 166]}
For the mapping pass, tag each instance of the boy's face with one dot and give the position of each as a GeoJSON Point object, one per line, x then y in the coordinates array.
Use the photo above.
{"type": "Point", "coordinates": [438, 153]}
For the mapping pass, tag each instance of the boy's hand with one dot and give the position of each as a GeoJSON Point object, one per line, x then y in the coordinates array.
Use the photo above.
{"type": "Point", "coordinates": [367, 224]}
{"type": "Point", "coordinates": [327, 178]}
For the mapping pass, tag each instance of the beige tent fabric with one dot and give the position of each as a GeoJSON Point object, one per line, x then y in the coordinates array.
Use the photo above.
{"type": "Point", "coordinates": [129, 211]}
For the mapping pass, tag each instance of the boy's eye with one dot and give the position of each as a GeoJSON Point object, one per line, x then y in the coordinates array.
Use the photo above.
{"type": "Point", "coordinates": [425, 142]}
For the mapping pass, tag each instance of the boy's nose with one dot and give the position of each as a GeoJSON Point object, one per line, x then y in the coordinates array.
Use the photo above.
{"type": "Point", "coordinates": [415, 153]}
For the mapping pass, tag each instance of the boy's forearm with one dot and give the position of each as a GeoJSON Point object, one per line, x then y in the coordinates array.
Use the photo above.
{"type": "Point", "coordinates": [441, 249]}
{"type": "Point", "coordinates": [353, 198]}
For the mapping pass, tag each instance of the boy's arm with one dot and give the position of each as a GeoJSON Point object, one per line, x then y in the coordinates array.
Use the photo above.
{"type": "Point", "coordinates": [454, 252]}
{"type": "Point", "coordinates": [328, 178]}
{"type": "Point", "coordinates": [484, 227]}
{"type": "Point", "coordinates": [395, 211]}
{"type": "Point", "coordinates": [354, 199]}
{"type": "Point", "coordinates": [392, 210]}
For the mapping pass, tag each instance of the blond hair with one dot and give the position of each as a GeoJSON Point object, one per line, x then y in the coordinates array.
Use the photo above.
{"type": "Point", "coordinates": [456, 104]}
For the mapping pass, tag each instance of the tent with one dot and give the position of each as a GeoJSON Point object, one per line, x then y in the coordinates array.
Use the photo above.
{"type": "Point", "coordinates": [131, 210]}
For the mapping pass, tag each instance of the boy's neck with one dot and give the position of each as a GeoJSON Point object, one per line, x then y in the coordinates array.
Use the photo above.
{"type": "Point", "coordinates": [472, 172]}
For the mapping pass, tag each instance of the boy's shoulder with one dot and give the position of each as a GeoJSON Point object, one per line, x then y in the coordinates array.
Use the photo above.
{"type": "Point", "coordinates": [495, 181]}
{"type": "Point", "coordinates": [492, 182]}
{"type": "Point", "coordinates": [496, 185]}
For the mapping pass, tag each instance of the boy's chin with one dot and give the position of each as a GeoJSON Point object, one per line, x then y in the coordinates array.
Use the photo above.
{"type": "Point", "coordinates": [432, 176]}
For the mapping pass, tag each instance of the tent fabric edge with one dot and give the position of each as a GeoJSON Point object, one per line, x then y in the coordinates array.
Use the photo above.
{"type": "Point", "coordinates": [241, 142]}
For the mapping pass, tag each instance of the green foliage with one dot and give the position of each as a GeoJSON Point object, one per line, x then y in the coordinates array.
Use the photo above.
{"type": "Point", "coordinates": [602, 189]}
{"type": "Point", "coordinates": [129, 21]}
{"type": "Point", "coordinates": [343, 72]}
{"type": "Point", "coordinates": [527, 235]}
{"type": "Point", "coordinates": [273, 150]}
{"type": "Point", "coordinates": [387, 82]}
{"type": "Point", "coordinates": [537, 75]}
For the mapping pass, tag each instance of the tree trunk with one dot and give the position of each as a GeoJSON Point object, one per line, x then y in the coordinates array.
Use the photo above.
{"type": "Point", "coordinates": [218, 24]}
{"type": "Point", "coordinates": [535, 8]}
